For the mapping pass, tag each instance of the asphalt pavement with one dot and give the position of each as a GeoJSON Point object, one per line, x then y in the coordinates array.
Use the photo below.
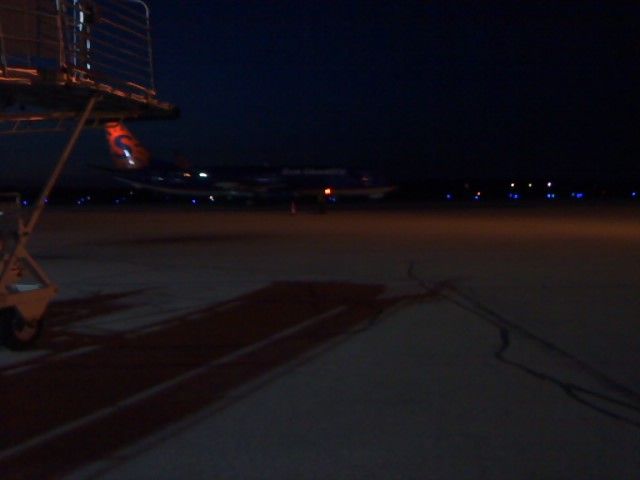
{"type": "Point", "coordinates": [440, 342]}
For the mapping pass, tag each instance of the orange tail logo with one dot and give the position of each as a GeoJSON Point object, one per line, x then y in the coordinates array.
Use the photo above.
{"type": "Point", "coordinates": [126, 151]}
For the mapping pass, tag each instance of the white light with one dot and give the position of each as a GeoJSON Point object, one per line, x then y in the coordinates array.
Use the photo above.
{"type": "Point", "coordinates": [203, 175]}
{"type": "Point", "coordinates": [549, 184]}
{"type": "Point", "coordinates": [128, 155]}
{"type": "Point", "coordinates": [530, 185]}
{"type": "Point", "coordinates": [513, 185]}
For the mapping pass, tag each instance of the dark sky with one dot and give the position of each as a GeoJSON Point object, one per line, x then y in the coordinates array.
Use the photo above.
{"type": "Point", "coordinates": [439, 89]}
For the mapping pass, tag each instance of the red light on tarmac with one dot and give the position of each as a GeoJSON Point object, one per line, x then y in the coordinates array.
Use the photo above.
{"type": "Point", "coordinates": [327, 191]}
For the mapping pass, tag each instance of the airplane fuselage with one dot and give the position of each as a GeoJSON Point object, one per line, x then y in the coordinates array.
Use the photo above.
{"type": "Point", "coordinates": [256, 181]}
{"type": "Point", "coordinates": [133, 164]}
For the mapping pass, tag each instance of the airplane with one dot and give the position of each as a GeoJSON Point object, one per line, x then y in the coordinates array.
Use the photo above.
{"type": "Point", "coordinates": [135, 166]}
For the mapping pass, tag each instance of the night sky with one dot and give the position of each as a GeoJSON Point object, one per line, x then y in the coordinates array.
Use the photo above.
{"type": "Point", "coordinates": [427, 90]}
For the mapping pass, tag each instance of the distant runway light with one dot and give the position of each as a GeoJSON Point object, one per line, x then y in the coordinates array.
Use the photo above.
{"type": "Point", "coordinates": [549, 184]}
{"type": "Point", "coordinates": [530, 185]}
{"type": "Point", "coordinates": [513, 185]}
{"type": "Point", "coordinates": [194, 201]}
{"type": "Point", "coordinates": [203, 175]}
{"type": "Point", "coordinates": [634, 194]}
{"type": "Point", "coordinates": [448, 196]}
{"type": "Point", "coordinates": [211, 197]}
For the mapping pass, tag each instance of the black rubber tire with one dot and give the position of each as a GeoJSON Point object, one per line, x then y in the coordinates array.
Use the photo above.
{"type": "Point", "coordinates": [15, 333]}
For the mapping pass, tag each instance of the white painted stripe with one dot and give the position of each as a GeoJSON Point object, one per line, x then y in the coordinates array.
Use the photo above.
{"type": "Point", "coordinates": [147, 330]}
{"type": "Point", "coordinates": [15, 371]}
{"type": "Point", "coordinates": [50, 359]}
{"type": "Point", "coordinates": [73, 353]}
{"type": "Point", "coordinates": [45, 437]}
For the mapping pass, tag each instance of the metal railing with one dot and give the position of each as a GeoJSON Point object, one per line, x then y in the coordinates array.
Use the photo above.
{"type": "Point", "coordinates": [30, 35]}
{"type": "Point", "coordinates": [104, 41]}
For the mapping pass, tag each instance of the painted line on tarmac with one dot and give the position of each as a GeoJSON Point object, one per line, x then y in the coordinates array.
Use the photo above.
{"type": "Point", "coordinates": [45, 437]}
{"type": "Point", "coordinates": [50, 359]}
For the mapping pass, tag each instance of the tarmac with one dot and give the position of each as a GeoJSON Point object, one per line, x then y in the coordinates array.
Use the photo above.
{"type": "Point", "coordinates": [485, 342]}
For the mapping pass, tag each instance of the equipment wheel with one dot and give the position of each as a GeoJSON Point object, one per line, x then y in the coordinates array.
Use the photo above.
{"type": "Point", "coordinates": [15, 332]}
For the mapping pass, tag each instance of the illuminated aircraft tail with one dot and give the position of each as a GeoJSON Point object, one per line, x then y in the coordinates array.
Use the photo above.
{"type": "Point", "coordinates": [127, 152]}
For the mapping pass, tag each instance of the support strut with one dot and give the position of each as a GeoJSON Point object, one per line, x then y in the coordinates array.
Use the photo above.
{"type": "Point", "coordinates": [25, 289]}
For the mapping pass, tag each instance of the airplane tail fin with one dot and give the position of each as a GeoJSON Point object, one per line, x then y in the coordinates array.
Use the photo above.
{"type": "Point", "coordinates": [126, 151]}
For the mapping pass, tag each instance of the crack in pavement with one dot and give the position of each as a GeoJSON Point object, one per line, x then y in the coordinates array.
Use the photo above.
{"type": "Point", "coordinates": [507, 328]}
